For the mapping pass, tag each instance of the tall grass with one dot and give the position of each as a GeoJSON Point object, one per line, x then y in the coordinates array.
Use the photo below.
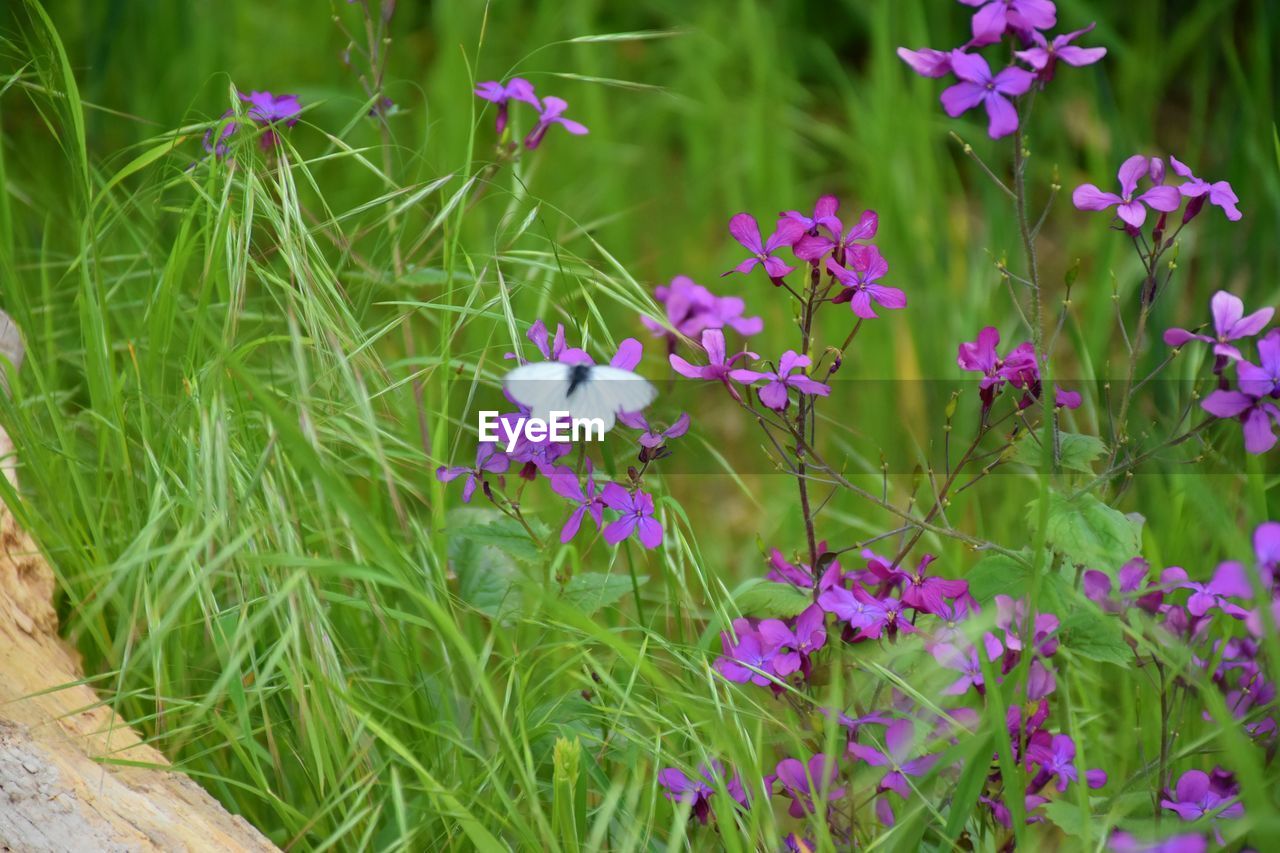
{"type": "Point", "coordinates": [241, 375]}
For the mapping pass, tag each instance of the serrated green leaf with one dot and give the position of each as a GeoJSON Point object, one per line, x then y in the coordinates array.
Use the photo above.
{"type": "Point", "coordinates": [1092, 634]}
{"type": "Point", "coordinates": [504, 534]}
{"type": "Point", "coordinates": [1001, 575]}
{"type": "Point", "coordinates": [1076, 451]}
{"type": "Point", "coordinates": [766, 599]}
{"type": "Point", "coordinates": [591, 591]}
{"type": "Point", "coordinates": [488, 577]}
{"type": "Point", "coordinates": [1089, 533]}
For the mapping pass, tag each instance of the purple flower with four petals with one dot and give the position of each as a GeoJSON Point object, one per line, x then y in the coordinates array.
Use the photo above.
{"type": "Point", "coordinates": [979, 86]}
{"type": "Point", "coordinates": [1131, 209]}
{"type": "Point", "coordinates": [774, 394]}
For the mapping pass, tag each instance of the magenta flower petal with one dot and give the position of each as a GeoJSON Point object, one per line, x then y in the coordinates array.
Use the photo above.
{"type": "Point", "coordinates": [774, 396]}
{"type": "Point", "coordinates": [1259, 436]}
{"type": "Point", "coordinates": [1227, 404]}
{"type": "Point", "coordinates": [1003, 116]}
{"type": "Point", "coordinates": [1089, 197]}
{"type": "Point", "coordinates": [1132, 212]}
{"type": "Point", "coordinates": [1131, 171]}
{"type": "Point", "coordinates": [1163, 199]}
{"type": "Point", "coordinates": [962, 97]}
{"type": "Point", "coordinates": [744, 228]}
{"type": "Point", "coordinates": [926, 61]}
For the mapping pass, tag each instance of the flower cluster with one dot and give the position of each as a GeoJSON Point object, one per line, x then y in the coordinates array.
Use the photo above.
{"type": "Point", "coordinates": [884, 603]}
{"type": "Point", "coordinates": [693, 309]}
{"type": "Point", "coordinates": [1023, 22]}
{"type": "Point", "coordinates": [266, 111]}
{"type": "Point", "coordinates": [550, 109]}
{"type": "Point", "coordinates": [1131, 205]}
{"type": "Point", "coordinates": [1253, 400]}
{"type": "Point", "coordinates": [902, 743]}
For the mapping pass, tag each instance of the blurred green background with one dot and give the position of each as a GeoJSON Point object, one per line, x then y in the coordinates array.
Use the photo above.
{"type": "Point", "coordinates": [143, 462]}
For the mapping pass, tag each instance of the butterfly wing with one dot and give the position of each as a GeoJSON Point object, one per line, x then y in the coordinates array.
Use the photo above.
{"type": "Point", "coordinates": [542, 387]}
{"type": "Point", "coordinates": [590, 400]}
{"type": "Point", "coordinates": [621, 390]}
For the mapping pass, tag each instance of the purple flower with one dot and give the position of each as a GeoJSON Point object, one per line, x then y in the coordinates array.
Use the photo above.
{"type": "Point", "coordinates": [1046, 54]}
{"type": "Point", "coordinates": [489, 460]}
{"type": "Point", "coordinates": [1066, 399]}
{"type": "Point", "coordinates": [978, 86]}
{"type": "Point", "coordinates": [717, 368]}
{"type": "Point", "coordinates": [967, 663]}
{"type": "Point", "coordinates": [1004, 817]}
{"type": "Point", "coordinates": [565, 483]}
{"type": "Point", "coordinates": [549, 113]}
{"type": "Point", "coordinates": [899, 742]}
{"type": "Point", "coordinates": [220, 147]}
{"type": "Point", "coordinates": [1229, 324]}
{"type": "Point", "coordinates": [538, 457]}
{"type": "Point", "coordinates": [691, 309]}
{"type": "Point", "coordinates": [810, 630]}
{"type": "Point", "coordinates": [919, 589]}
{"type": "Point", "coordinates": [774, 395]}
{"type": "Point", "coordinates": [865, 268]}
{"type": "Point", "coordinates": [554, 350]}
{"type": "Point", "coordinates": [1124, 842]}
{"type": "Point", "coordinates": [781, 571]}
{"type": "Point", "coordinates": [798, 844]}
{"type": "Point", "coordinates": [266, 108]}
{"type": "Point", "coordinates": [1010, 616]}
{"type": "Point", "coordinates": [1218, 193]}
{"type": "Point", "coordinates": [1266, 547]}
{"type": "Point", "coordinates": [1018, 368]}
{"type": "Point", "coordinates": [1231, 580]}
{"type": "Point", "coordinates": [759, 653]}
{"type": "Point", "coordinates": [824, 216]}
{"type": "Point", "coordinates": [744, 228]}
{"type": "Point", "coordinates": [1195, 797]}
{"type": "Point", "coordinates": [870, 616]}
{"type": "Point", "coordinates": [800, 783]}
{"type": "Point", "coordinates": [1056, 757]}
{"type": "Point", "coordinates": [813, 244]}
{"type": "Point", "coordinates": [996, 17]}
{"type": "Point", "coordinates": [926, 61]}
{"type": "Point", "coordinates": [654, 438]}
{"type": "Point", "coordinates": [518, 89]}
{"type": "Point", "coordinates": [1251, 403]}
{"type": "Point", "coordinates": [1097, 588]}
{"type": "Point", "coordinates": [1133, 211]}
{"type": "Point", "coordinates": [635, 516]}
{"type": "Point", "coordinates": [699, 789]}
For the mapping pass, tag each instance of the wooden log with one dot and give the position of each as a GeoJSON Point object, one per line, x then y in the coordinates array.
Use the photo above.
{"type": "Point", "coordinates": [60, 786]}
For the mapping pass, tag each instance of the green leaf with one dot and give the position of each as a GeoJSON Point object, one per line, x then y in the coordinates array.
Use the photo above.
{"type": "Point", "coordinates": [1092, 634]}
{"type": "Point", "coordinates": [488, 577]}
{"type": "Point", "coordinates": [590, 591]}
{"type": "Point", "coordinates": [1067, 816]}
{"type": "Point", "coordinates": [1001, 575]}
{"type": "Point", "coordinates": [504, 534]}
{"type": "Point", "coordinates": [1076, 451]}
{"type": "Point", "coordinates": [767, 599]}
{"type": "Point", "coordinates": [1089, 533]}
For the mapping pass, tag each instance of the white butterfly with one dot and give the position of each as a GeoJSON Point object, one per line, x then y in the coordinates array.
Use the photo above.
{"type": "Point", "coordinates": [582, 390]}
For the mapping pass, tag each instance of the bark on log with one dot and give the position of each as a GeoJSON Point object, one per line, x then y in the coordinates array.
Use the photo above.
{"type": "Point", "coordinates": [54, 794]}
